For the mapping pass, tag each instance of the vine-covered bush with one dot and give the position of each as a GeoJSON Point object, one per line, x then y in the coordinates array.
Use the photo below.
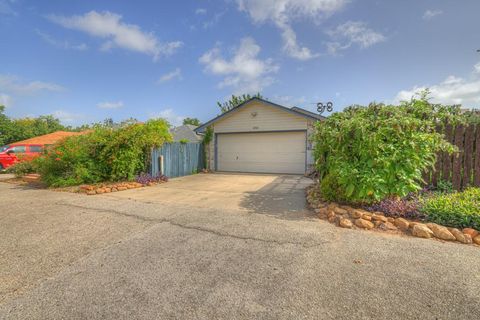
{"type": "Point", "coordinates": [22, 168]}
{"type": "Point", "coordinates": [366, 154]}
{"type": "Point", "coordinates": [105, 154]}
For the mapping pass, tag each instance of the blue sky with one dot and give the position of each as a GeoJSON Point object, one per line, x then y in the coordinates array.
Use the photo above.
{"type": "Point", "coordinates": [84, 61]}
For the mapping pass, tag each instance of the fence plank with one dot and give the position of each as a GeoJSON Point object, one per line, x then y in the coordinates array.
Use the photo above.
{"type": "Point", "coordinates": [458, 157]}
{"type": "Point", "coordinates": [476, 173]}
{"type": "Point", "coordinates": [468, 156]}
{"type": "Point", "coordinates": [446, 158]}
{"type": "Point", "coordinates": [437, 170]}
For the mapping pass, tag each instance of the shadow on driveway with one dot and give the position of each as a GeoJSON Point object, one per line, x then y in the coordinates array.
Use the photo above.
{"type": "Point", "coordinates": [283, 198]}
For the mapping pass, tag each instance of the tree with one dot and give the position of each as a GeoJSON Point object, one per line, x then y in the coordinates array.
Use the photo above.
{"type": "Point", "coordinates": [192, 121]}
{"type": "Point", "coordinates": [4, 124]}
{"type": "Point", "coordinates": [12, 130]}
{"type": "Point", "coordinates": [236, 101]}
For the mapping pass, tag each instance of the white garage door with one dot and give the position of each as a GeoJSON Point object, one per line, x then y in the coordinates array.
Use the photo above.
{"type": "Point", "coordinates": [276, 152]}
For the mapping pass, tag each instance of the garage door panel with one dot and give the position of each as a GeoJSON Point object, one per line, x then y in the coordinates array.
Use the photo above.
{"type": "Point", "coordinates": [279, 152]}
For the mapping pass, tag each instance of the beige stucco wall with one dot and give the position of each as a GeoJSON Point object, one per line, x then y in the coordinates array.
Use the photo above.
{"type": "Point", "coordinates": [257, 117]}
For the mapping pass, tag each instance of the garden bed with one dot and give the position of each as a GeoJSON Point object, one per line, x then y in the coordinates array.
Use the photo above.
{"type": "Point", "coordinates": [358, 218]}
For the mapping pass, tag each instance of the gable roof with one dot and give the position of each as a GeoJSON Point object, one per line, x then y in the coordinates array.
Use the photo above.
{"type": "Point", "coordinates": [50, 138]}
{"type": "Point", "coordinates": [296, 111]}
{"type": "Point", "coordinates": [185, 132]}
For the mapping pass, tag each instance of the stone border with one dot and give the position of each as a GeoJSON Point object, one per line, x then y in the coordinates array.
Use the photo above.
{"type": "Point", "coordinates": [353, 218]}
{"type": "Point", "coordinates": [113, 187]}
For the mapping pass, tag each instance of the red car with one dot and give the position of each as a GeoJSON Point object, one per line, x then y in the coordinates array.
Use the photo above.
{"type": "Point", "coordinates": [14, 153]}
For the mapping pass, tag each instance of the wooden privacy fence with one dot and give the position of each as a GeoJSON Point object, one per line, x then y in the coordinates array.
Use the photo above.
{"type": "Point", "coordinates": [462, 169]}
{"type": "Point", "coordinates": [177, 159]}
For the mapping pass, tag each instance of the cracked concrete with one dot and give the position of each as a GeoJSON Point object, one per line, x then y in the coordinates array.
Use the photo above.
{"type": "Point", "coordinates": [141, 255]}
{"type": "Point", "coordinates": [198, 228]}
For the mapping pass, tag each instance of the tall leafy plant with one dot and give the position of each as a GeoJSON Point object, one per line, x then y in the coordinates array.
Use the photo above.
{"type": "Point", "coordinates": [366, 154]}
{"type": "Point", "coordinates": [105, 154]}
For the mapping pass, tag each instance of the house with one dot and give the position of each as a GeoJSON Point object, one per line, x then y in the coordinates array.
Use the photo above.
{"type": "Point", "coordinates": [185, 133]}
{"type": "Point", "coordinates": [48, 139]}
{"type": "Point", "coordinates": [263, 137]}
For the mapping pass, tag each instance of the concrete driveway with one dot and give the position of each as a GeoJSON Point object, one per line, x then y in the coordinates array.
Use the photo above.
{"type": "Point", "coordinates": [276, 195]}
{"type": "Point", "coordinates": [133, 256]}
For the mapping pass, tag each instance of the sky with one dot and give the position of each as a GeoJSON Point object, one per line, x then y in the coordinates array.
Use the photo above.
{"type": "Point", "coordinates": [84, 61]}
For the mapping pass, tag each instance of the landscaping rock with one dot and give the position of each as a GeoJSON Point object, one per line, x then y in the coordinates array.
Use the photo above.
{"type": "Point", "coordinates": [87, 188]}
{"type": "Point", "coordinates": [321, 211]}
{"type": "Point", "coordinates": [441, 232]}
{"type": "Point", "coordinates": [387, 226]}
{"type": "Point", "coordinates": [108, 190]}
{"type": "Point", "coordinates": [367, 216]}
{"type": "Point", "coordinates": [340, 211]}
{"type": "Point", "coordinates": [114, 189]}
{"type": "Point", "coordinates": [365, 224]}
{"type": "Point", "coordinates": [378, 217]}
{"type": "Point", "coordinates": [391, 220]}
{"type": "Point", "coordinates": [356, 213]}
{"type": "Point", "coordinates": [332, 219]}
{"type": "Point", "coordinates": [476, 240]}
{"type": "Point", "coordinates": [402, 224]}
{"type": "Point", "coordinates": [471, 232]}
{"type": "Point", "coordinates": [345, 223]}
{"type": "Point", "coordinates": [321, 205]}
{"type": "Point", "coordinates": [100, 190]}
{"type": "Point", "coordinates": [91, 192]}
{"type": "Point", "coordinates": [460, 236]}
{"type": "Point", "coordinates": [121, 188]}
{"type": "Point", "coordinates": [422, 231]}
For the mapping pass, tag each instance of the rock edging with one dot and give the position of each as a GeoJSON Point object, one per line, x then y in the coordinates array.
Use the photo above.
{"type": "Point", "coordinates": [350, 218]}
{"type": "Point", "coordinates": [112, 187]}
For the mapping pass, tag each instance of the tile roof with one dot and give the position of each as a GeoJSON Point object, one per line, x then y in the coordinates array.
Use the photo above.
{"type": "Point", "coordinates": [50, 138]}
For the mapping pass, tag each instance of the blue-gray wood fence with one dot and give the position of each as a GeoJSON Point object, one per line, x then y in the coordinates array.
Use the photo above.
{"type": "Point", "coordinates": [179, 159]}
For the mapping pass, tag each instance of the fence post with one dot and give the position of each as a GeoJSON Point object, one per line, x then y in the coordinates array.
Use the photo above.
{"type": "Point", "coordinates": [160, 165]}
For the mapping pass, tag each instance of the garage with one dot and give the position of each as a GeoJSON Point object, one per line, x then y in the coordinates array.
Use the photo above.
{"type": "Point", "coordinates": [271, 152]}
{"type": "Point", "coordinates": [259, 136]}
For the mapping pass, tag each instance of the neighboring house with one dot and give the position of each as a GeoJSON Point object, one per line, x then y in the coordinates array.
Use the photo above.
{"type": "Point", "coordinates": [50, 138]}
{"type": "Point", "coordinates": [261, 136]}
{"type": "Point", "coordinates": [185, 133]}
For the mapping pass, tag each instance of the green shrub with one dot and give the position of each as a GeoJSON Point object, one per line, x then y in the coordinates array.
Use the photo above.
{"type": "Point", "coordinates": [330, 189]}
{"type": "Point", "coordinates": [22, 168]}
{"type": "Point", "coordinates": [458, 209]}
{"type": "Point", "coordinates": [105, 154]}
{"type": "Point", "coordinates": [367, 154]}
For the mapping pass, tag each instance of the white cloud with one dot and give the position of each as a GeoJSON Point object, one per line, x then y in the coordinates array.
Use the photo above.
{"type": "Point", "coordinates": [169, 115]}
{"type": "Point", "coordinates": [117, 33]}
{"type": "Point", "coordinates": [61, 44]}
{"type": "Point", "coordinates": [244, 72]}
{"type": "Point", "coordinates": [201, 11]}
{"type": "Point", "coordinates": [283, 12]}
{"type": "Point", "coordinates": [110, 104]}
{"type": "Point", "coordinates": [350, 33]}
{"type": "Point", "coordinates": [430, 14]}
{"type": "Point", "coordinates": [68, 117]}
{"type": "Point", "coordinates": [477, 68]}
{"type": "Point", "coordinates": [5, 100]}
{"type": "Point", "coordinates": [175, 74]}
{"type": "Point", "coordinates": [453, 90]}
{"type": "Point", "coordinates": [13, 84]}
